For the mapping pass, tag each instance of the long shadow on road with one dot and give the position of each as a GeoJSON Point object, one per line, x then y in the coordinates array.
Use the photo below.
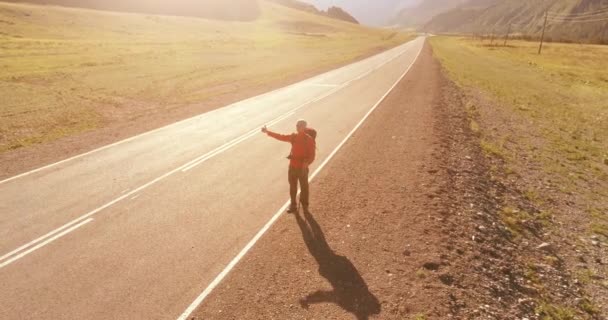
{"type": "Point", "coordinates": [350, 291]}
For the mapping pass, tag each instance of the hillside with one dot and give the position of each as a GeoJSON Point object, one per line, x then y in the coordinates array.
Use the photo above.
{"type": "Point", "coordinates": [339, 13]}
{"type": "Point", "coordinates": [331, 12]}
{"type": "Point", "coordinates": [526, 19]}
{"type": "Point", "coordinates": [75, 74]}
{"type": "Point", "coordinates": [423, 12]}
{"type": "Point", "coordinates": [240, 10]}
{"type": "Point", "coordinates": [375, 13]}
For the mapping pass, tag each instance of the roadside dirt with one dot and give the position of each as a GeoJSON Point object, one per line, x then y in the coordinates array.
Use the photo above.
{"type": "Point", "coordinates": [403, 225]}
{"type": "Point", "coordinates": [562, 256]}
{"type": "Point", "coordinates": [121, 124]}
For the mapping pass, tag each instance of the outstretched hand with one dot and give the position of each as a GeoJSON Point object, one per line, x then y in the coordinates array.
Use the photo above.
{"type": "Point", "coordinates": [264, 129]}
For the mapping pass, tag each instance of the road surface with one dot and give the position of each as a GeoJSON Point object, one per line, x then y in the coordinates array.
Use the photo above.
{"type": "Point", "coordinates": [140, 228]}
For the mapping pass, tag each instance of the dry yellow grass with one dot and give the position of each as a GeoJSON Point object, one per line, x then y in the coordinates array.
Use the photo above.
{"type": "Point", "coordinates": [64, 71]}
{"type": "Point", "coordinates": [544, 120]}
{"type": "Point", "coordinates": [563, 93]}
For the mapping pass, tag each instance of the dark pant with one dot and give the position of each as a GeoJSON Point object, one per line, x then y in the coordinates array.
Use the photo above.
{"type": "Point", "coordinates": [301, 175]}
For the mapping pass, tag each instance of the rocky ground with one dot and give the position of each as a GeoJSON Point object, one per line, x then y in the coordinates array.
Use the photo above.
{"type": "Point", "coordinates": [406, 223]}
{"type": "Point", "coordinates": [564, 265]}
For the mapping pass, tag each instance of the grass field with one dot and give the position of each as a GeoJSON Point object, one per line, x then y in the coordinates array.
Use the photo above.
{"type": "Point", "coordinates": [547, 122]}
{"type": "Point", "coordinates": [563, 94]}
{"type": "Point", "coordinates": [64, 71]}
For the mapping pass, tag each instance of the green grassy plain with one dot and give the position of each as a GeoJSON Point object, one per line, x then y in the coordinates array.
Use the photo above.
{"type": "Point", "coordinates": [64, 71]}
{"type": "Point", "coordinates": [546, 118]}
{"type": "Point", "coordinates": [562, 94]}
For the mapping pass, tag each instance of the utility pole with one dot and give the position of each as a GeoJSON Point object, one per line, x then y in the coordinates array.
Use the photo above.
{"type": "Point", "coordinates": [507, 35]}
{"type": "Point", "coordinates": [542, 37]}
{"type": "Point", "coordinates": [492, 38]}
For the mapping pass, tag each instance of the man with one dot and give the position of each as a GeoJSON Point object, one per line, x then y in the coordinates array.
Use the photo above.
{"type": "Point", "coordinates": [302, 155]}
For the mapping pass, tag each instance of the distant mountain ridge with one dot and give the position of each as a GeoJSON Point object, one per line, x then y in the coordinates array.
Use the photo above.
{"type": "Point", "coordinates": [420, 14]}
{"type": "Point", "coordinates": [341, 14]}
{"type": "Point", "coordinates": [523, 18]}
{"type": "Point", "coordinates": [238, 10]}
{"type": "Point", "coordinates": [526, 18]}
{"type": "Point", "coordinates": [332, 12]}
{"type": "Point", "coordinates": [374, 13]}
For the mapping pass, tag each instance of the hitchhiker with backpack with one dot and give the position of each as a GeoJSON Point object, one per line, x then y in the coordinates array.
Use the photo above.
{"type": "Point", "coordinates": [303, 148]}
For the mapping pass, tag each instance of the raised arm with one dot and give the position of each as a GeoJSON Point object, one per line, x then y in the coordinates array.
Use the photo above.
{"type": "Point", "coordinates": [280, 137]}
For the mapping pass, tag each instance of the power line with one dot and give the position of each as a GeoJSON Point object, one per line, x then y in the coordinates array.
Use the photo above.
{"type": "Point", "coordinates": [595, 16]}
{"type": "Point", "coordinates": [578, 20]}
{"type": "Point", "coordinates": [586, 15]}
{"type": "Point", "coordinates": [582, 13]}
{"type": "Point", "coordinates": [603, 15]}
{"type": "Point", "coordinates": [579, 15]}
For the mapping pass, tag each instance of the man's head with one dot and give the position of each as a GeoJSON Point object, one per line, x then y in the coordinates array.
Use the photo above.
{"type": "Point", "coordinates": [301, 126]}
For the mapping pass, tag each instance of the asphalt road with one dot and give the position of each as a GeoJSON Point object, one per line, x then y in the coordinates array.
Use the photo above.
{"type": "Point", "coordinates": [140, 228]}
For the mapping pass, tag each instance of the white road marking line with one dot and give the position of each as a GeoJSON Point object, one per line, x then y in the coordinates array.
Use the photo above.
{"type": "Point", "coordinates": [323, 85]}
{"type": "Point", "coordinates": [182, 121]}
{"type": "Point", "coordinates": [365, 74]}
{"type": "Point", "coordinates": [276, 216]}
{"type": "Point", "coordinates": [40, 245]}
{"type": "Point", "coordinates": [36, 240]}
{"type": "Point", "coordinates": [235, 142]}
{"type": "Point", "coordinates": [220, 150]}
{"type": "Point", "coordinates": [135, 197]}
{"type": "Point", "coordinates": [244, 137]}
{"type": "Point", "coordinates": [220, 277]}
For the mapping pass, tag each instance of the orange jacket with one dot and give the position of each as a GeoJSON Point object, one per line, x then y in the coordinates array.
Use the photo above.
{"type": "Point", "coordinates": [303, 147]}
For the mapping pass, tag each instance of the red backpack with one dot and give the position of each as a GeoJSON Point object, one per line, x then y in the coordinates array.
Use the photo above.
{"type": "Point", "coordinates": [312, 133]}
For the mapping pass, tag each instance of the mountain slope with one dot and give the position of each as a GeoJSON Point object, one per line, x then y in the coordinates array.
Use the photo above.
{"type": "Point", "coordinates": [339, 13]}
{"type": "Point", "coordinates": [526, 19]}
{"type": "Point", "coordinates": [331, 12]}
{"type": "Point", "coordinates": [376, 13]}
{"type": "Point", "coordinates": [423, 12]}
{"type": "Point", "coordinates": [240, 10]}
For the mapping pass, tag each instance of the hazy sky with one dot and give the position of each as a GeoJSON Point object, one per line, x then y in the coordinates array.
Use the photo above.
{"type": "Point", "coordinates": [372, 12]}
